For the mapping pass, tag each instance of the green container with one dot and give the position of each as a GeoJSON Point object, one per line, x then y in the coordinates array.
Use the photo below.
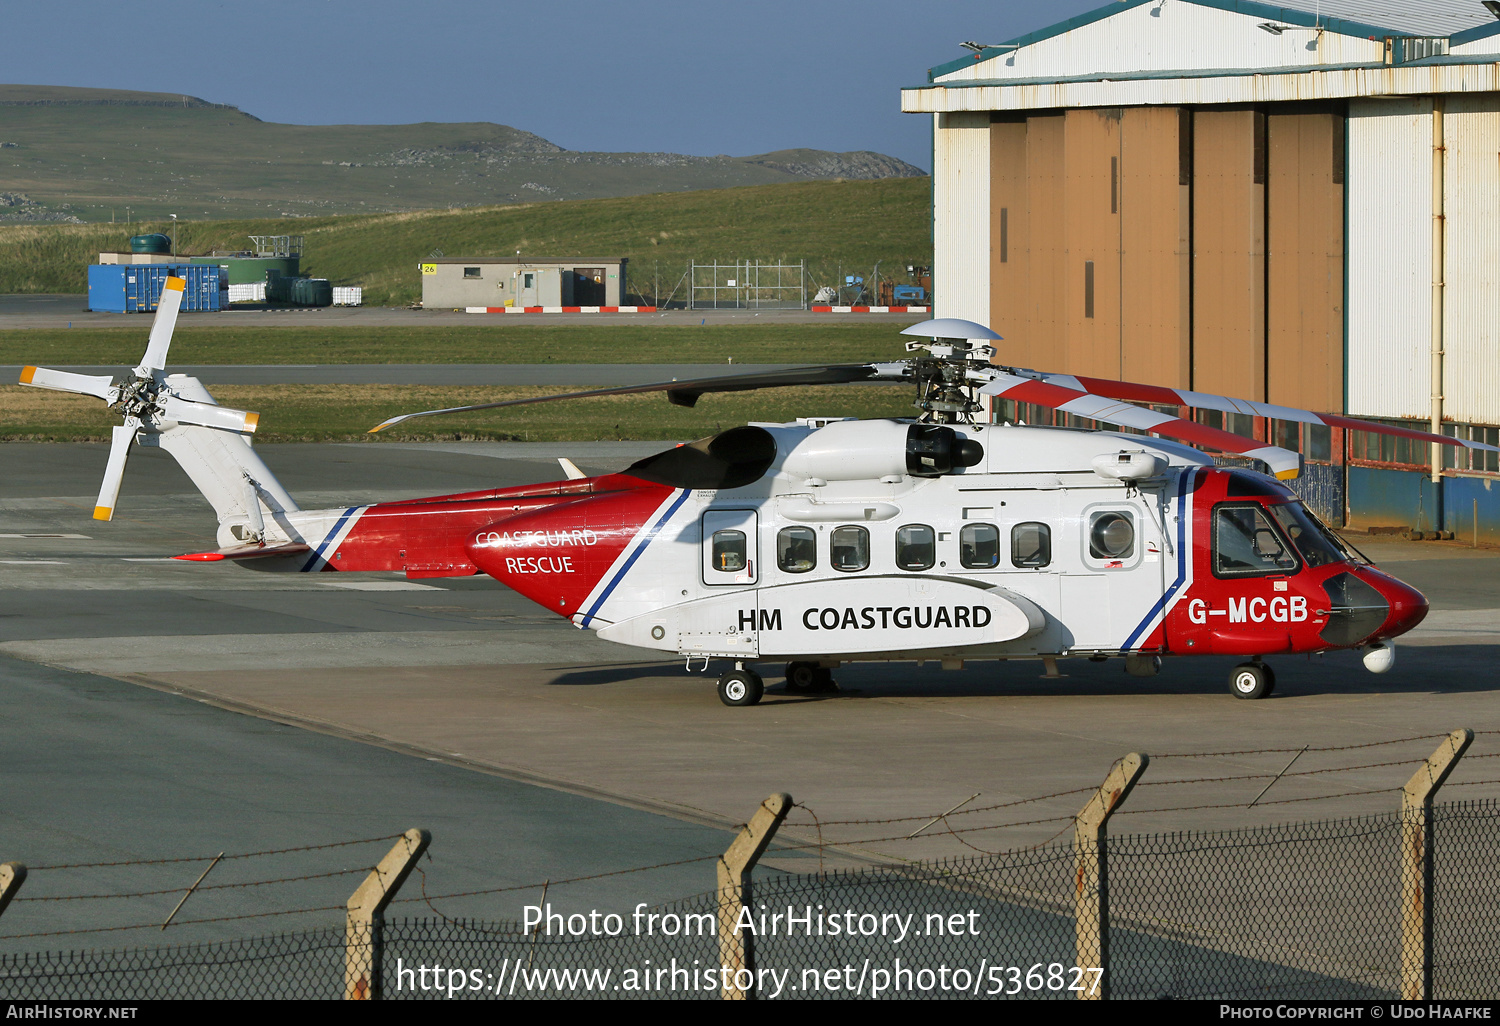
{"type": "Point", "coordinates": [250, 270]}
{"type": "Point", "coordinates": [312, 292]}
{"type": "Point", "coordinates": [156, 242]}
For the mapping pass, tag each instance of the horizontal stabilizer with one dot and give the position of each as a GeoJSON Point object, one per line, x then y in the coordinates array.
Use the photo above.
{"type": "Point", "coordinates": [247, 552]}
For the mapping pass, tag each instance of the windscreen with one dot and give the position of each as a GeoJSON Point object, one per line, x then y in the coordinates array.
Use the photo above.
{"type": "Point", "coordinates": [1307, 534]}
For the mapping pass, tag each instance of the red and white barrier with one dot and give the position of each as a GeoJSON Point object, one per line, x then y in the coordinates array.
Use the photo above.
{"type": "Point", "coordinates": [871, 309]}
{"type": "Point", "coordinates": [559, 309]}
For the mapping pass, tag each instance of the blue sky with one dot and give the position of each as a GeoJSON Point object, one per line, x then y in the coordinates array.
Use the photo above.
{"type": "Point", "coordinates": [689, 77]}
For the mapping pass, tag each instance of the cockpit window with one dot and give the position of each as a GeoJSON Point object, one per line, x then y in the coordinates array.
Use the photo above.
{"type": "Point", "coordinates": [1247, 545]}
{"type": "Point", "coordinates": [1306, 534]}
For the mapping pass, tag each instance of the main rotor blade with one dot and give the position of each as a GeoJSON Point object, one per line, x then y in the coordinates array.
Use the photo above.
{"type": "Point", "coordinates": [1283, 463]}
{"type": "Point", "coordinates": [114, 470]}
{"type": "Point", "coordinates": [1137, 393]}
{"type": "Point", "coordinates": [686, 393]}
{"type": "Point", "coordinates": [100, 385]}
{"type": "Point", "coordinates": [189, 411]}
{"type": "Point", "coordinates": [161, 328]}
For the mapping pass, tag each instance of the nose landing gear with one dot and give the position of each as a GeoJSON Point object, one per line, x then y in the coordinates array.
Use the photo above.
{"type": "Point", "coordinates": [1252, 680]}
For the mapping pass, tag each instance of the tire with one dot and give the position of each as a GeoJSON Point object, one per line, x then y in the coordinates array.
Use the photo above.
{"type": "Point", "coordinates": [741, 687]}
{"type": "Point", "coordinates": [1250, 680]}
{"type": "Point", "coordinates": [801, 677]}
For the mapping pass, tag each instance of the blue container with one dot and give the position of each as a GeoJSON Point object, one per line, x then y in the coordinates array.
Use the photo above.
{"type": "Point", "coordinates": [137, 288]}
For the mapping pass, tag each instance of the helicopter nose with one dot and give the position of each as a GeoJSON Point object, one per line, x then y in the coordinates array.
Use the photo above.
{"type": "Point", "coordinates": [1408, 606]}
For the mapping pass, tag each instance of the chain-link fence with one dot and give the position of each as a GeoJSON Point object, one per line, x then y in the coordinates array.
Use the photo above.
{"type": "Point", "coordinates": [1306, 910]}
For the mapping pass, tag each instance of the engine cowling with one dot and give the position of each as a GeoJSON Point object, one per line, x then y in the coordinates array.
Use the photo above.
{"type": "Point", "coordinates": [859, 450]}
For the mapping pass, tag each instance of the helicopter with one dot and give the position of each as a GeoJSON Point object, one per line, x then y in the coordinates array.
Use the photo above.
{"type": "Point", "coordinates": [939, 537]}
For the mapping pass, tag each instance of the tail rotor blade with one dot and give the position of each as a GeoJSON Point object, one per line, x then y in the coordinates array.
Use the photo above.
{"type": "Point", "coordinates": [161, 328]}
{"type": "Point", "coordinates": [114, 471]}
{"type": "Point", "coordinates": [100, 385]}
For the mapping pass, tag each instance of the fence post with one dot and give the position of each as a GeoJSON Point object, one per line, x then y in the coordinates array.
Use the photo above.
{"type": "Point", "coordinates": [1416, 864]}
{"type": "Point", "coordinates": [1091, 882]}
{"type": "Point", "coordinates": [366, 916]}
{"type": "Point", "coordinates": [12, 876]}
{"type": "Point", "coordinates": [736, 949]}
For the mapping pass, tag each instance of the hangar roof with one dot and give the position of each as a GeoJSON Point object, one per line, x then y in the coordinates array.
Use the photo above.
{"type": "Point", "coordinates": [1218, 26]}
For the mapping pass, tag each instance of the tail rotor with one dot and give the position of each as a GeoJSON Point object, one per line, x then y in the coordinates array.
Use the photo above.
{"type": "Point", "coordinates": [150, 401]}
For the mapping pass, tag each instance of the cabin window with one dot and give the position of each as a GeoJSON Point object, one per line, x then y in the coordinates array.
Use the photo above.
{"type": "Point", "coordinates": [729, 550]}
{"type": "Point", "coordinates": [1247, 545]}
{"type": "Point", "coordinates": [916, 547]}
{"type": "Point", "coordinates": [979, 546]}
{"type": "Point", "coordinates": [1111, 535]}
{"type": "Point", "coordinates": [1030, 545]}
{"type": "Point", "coordinates": [849, 549]}
{"type": "Point", "coordinates": [796, 549]}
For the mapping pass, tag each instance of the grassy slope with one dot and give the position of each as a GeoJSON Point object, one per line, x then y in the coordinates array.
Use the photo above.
{"type": "Point", "coordinates": [843, 342]}
{"type": "Point", "coordinates": [202, 161]}
{"type": "Point", "coordinates": [836, 226]}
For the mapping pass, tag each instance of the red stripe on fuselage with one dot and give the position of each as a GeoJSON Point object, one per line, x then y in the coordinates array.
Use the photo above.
{"type": "Point", "coordinates": [556, 556]}
{"type": "Point", "coordinates": [423, 535]}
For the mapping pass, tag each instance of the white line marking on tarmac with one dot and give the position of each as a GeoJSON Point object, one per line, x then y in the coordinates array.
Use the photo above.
{"type": "Point", "coordinates": [33, 562]}
{"type": "Point", "coordinates": [380, 586]}
{"type": "Point", "coordinates": [80, 537]}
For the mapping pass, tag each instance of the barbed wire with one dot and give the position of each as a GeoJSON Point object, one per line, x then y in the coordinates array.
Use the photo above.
{"type": "Point", "coordinates": [1240, 805]}
{"type": "Point", "coordinates": [964, 812]}
{"type": "Point", "coordinates": [180, 922]}
{"type": "Point", "coordinates": [1326, 748]}
{"type": "Point", "coordinates": [205, 887]}
{"type": "Point", "coordinates": [210, 858]}
{"type": "Point", "coordinates": [570, 880]}
{"type": "Point", "coordinates": [1279, 776]}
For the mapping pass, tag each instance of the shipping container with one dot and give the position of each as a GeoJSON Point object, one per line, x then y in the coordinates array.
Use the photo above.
{"type": "Point", "coordinates": [124, 288]}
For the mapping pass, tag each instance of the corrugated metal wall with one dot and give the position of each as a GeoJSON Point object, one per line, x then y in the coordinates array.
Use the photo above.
{"type": "Point", "coordinates": [1229, 254]}
{"type": "Point", "coordinates": [1471, 301]}
{"type": "Point", "coordinates": [1089, 242]}
{"type": "Point", "coordinates": [1389, 263]}
{"type": "Point", "coordinates": [1305, 265]}
{"type": "Point", "coordinates": [1155, 233]}
{"type": "Point", "coordinates": [1091, 226]}
{"type": "Point", "coordinates": [961, 235]}
{"type": "Point", "coordinates": [1010, 256]}
{"type": "Point", "coordinates": [1044, 166]}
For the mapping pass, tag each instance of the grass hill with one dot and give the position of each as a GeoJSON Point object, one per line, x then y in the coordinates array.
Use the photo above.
{"type": "Point", "coordinates": [839, 227]}
{"type": "Point", "coordinates": [88, 154]}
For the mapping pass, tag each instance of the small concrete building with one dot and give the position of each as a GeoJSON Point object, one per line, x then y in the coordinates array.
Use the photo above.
{"type": "Point", "coordinates": [516, 282]}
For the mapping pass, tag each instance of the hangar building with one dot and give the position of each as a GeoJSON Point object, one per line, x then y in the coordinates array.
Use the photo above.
{"type": "Point", "coordinates": [1297, 204]}
{"type": "Point", "coordinates": [532, 283]}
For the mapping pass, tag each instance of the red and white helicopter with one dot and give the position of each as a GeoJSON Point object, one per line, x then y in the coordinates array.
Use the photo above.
{"type": "Point", "coordinates": [935, 538]}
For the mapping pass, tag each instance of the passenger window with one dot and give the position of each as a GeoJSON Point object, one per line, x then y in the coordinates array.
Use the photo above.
{"type": "Point", "coordinates": [849, 549]}
{"type": "Point", "coordinates": [1030, 545]}
{"type": "Point", "coordinates": [1246, 545]}
{"type": "Point", "coordinates": [729, 551]}
{"type": "Point", "coordinates": [796, 549]}
{"type": "Point", "coordinates": [916, 547]}
{"type": "Point", "coordinates": [1111, 536]}
{"type": "Point", "coordinates": [979, 546]}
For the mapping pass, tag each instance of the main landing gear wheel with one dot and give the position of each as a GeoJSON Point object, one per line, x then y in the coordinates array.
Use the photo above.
{"type": "Point", "coordinates": [802, 677]}
{"type": "Point", "coordinates": [741, 687]}
{"type": "Point", "coordinates": [1252, 680]}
